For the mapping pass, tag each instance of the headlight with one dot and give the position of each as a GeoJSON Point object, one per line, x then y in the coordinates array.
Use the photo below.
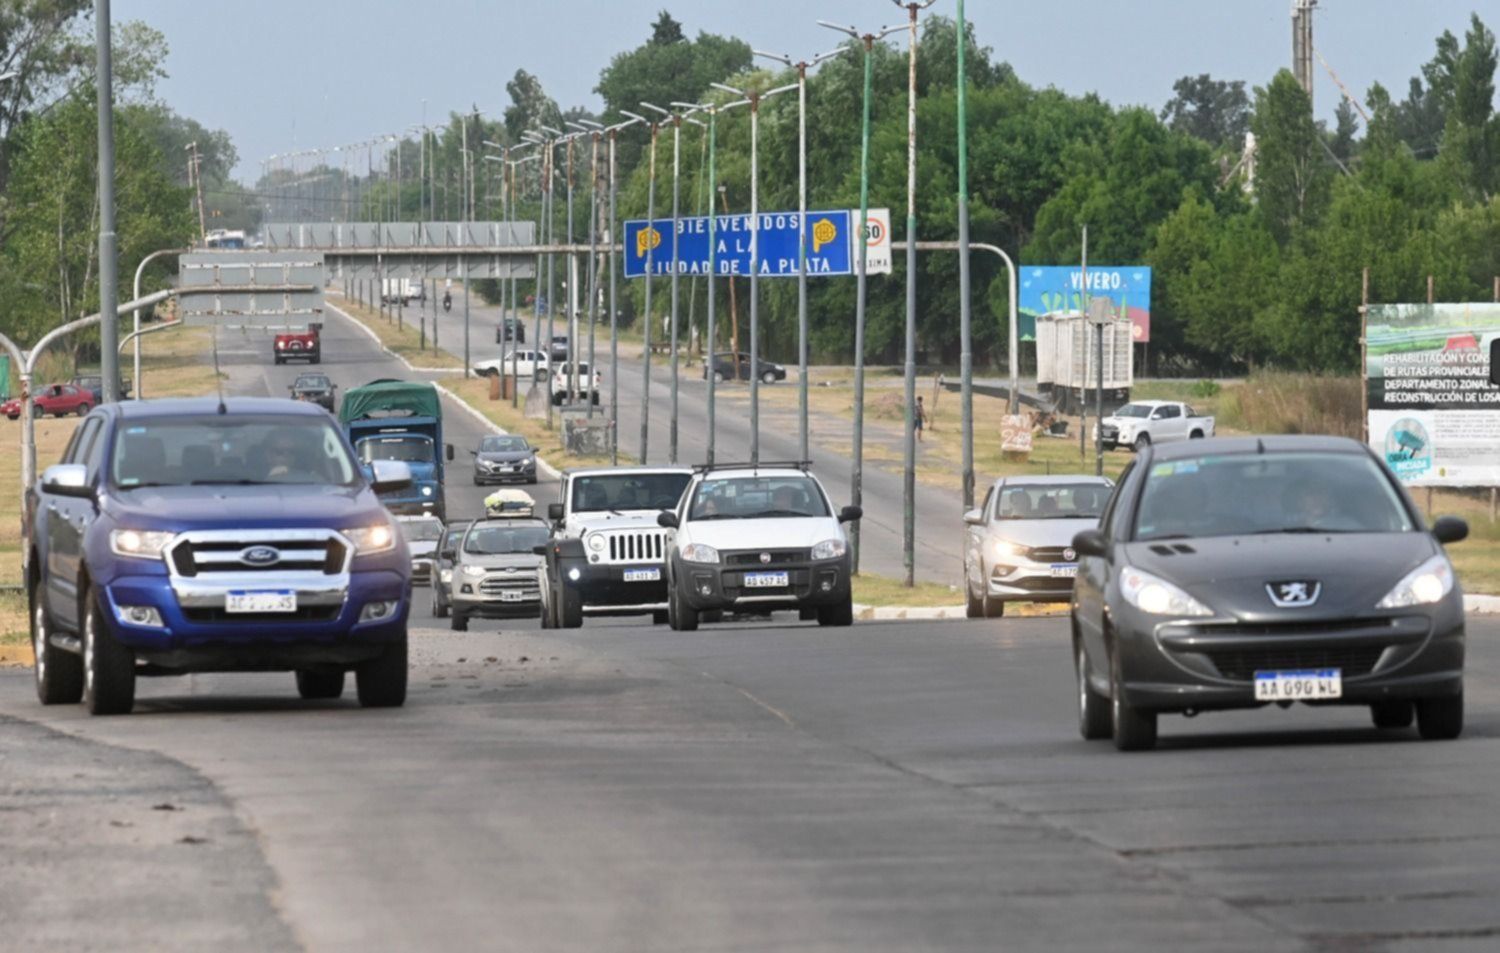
{"type": "Point", "coordinates": [829, 549]}
{"type": "Point", "coordinates": [596, 542]}
{"type": "Point", "coordinates": [372, 539]}
{"type": "Point", "coordinates": [426, 491]}
{"type": "Point", "coordinates": [446, 575]}
{"type": "Point", "coordinates": [1157, 596]}
{"type": "Point", "coordinates": [1423, 586]}
{"type": "Point", "coordinates": [1004, 549]}
{"type": "Point", "coordinates": [146, 544]}
{"type": "Point", "coordinates": [474, 570]}
{"type": "Point", "coordinates": [699, 553]}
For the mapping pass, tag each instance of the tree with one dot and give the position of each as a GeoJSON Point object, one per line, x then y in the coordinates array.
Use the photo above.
{"type": "Point", "coordinates": [1216, 111]}
{"type": "Point", "coordinates": [1291, 178]}
{"type": "Point", "coordinates": [666, 30]}
{"type": "Point", "coordinates": [1346, 125]}
{"type": "Point", "coordinates": [1471, 137]}
{"type": "Point", "coordinates": [530, 106]}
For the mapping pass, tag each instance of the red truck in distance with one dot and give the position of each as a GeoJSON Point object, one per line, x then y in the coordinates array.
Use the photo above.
{"type": "Point", "coordinates": [298, 345]}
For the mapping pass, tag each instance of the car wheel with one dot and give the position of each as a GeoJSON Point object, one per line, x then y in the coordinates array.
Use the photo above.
{"type": "Point", "coordinates": [1440, 719]}
{"type": "Point", "coordinates": [458, 622]}
{"type": "Point", "coordinates": [687, 617]}
{"type": "Point", "coordinates": [569, 609]}
{"type": "Point", "coordinates": [381, 682]}
{"type": "Point", "coordinates": [108, 666]}
{"type": "Point", "coordinates": [973, 605]}
{"type": "Point", "coordinates": [1142, 442]}
{"type": "Point", "coordinates": [82, 410]}
{"type": "Point", "coordinates": [1397, 714]}
{"type": "Point", "coordinates": [37, 411]}
{"type": "Point", "coordinates": [838, 614]}
{"type": "Point", "coordinates": [59, 673]}
{"type": "Point", "coordinates": [1134, 729]}
{"type": "Point", "coordinates": [1094, 721]}
{"type": "Point", "coordinates": [313, 685]}
{"type": "Point", "coordinates": [718, 377]}
{"type": "Point", "coordinates": [1196, 435]}
{"type": "Point", "coordinates": [659, 617]}
{"type": "Point", "coordinates": [436, 607]}
{"type": "Point", "coordinates": [993, 608]}
{"type": "Point", "coordinates": [594, 399]}
{"type": "Point", "coordinates": [769, 377]}
{"type": "Point", "coordinates": [478, 482]}
{"type": "Point", "coordinates": [807, 614]}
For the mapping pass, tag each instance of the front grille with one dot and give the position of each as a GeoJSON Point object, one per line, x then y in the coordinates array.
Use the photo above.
{"type": "Point", "coordinates": [1317, 627]}
{"type": "Point", "coordinates": [492, 585]}
{"type": "Point", "coordinates": [1050, 554]}
{"type": "Point", "coordinates": [1242, 664]}
{"type": "Point", "coordinates": [207, 554]}
{"type": "Point", "coordinates": [636, 546]}
{"type": "Point", "coordinates": [778, 557]}
{"type": "Point", "coordinates": [1040, 584]}
{"type": "Point", "coordinates": [302, 614]}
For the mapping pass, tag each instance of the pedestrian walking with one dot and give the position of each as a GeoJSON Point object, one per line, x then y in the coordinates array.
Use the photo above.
{"type": "Point", "coordinates": [919, 418]}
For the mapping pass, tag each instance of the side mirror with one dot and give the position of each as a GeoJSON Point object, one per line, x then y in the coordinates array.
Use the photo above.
{"type": "Point", "coordinates": [974, 517]}
{"type": "Point", "coordinates": [1450, 529]}
{"type": "Point", "coordinates": [473, 453]}
{"type": "Point", "coordinates": [448, 554]}
{"type": "Point", "coordinates": [851, 513]}
{"type": "Point", "coordinates": [555, 512]}
{"type": "Point", "coordinates": [67, 479]}
{"type": "Point", "coordinates": [1090, 542]}
{"type": "Point", "coordinates": [539, 550]}
{"type": "Point", "coordinates": [448, 451]}
{"type": "Point", "coordinates": [389, 475]}
{"type": "Point", "coordinates": [666, 519]}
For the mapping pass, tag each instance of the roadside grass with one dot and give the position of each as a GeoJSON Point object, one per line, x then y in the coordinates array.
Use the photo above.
{"type": "Point", "coordinates": [15, 635]}
{"type": "Point", "coordinates": [403, 339]}
{"type": "Point", "coordinates": [877, 591]}
{"type": "Point", "coordinates": [476, 393]}
{"type": "Point", "coordinates": [1477, 558]}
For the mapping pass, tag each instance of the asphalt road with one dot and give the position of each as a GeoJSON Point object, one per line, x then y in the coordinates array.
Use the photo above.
{"type": "Point", "coordinates": [758, 787]}
{"type": "Point", "coordinates": [939, 512]}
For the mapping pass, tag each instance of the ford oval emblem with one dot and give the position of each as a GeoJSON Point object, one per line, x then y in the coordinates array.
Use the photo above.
{"type": "Point", "coordinates": [260, 556]}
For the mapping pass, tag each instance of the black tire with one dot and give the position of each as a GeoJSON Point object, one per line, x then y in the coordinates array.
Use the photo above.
{"type": "Point", "coordinates": [37, 411]}
{"type": "Point", "coordinates": [59, 673]}
{"type": "Point", "coordinates": [108, 666]}
{"type": "Point", "coordinates": [1441, 719]}
{"type": "Point", "coordinates": [973, 605]}
{"type": "Point", "coordinates": [1142, 442]}
{"type": "Point", "coordinates": [1133, 728]}
{"type": "Point", "coordinates": [659, 617]}
{"type": "Point", "coordinates": [569, 609]}
{"type": "Point", "coordinates": [318, 359]}
{"type": "Point", "coordinates": [839, 614]}
{"type": "Point", "coordinates": [807, 614]}
{"type": "Point", "coordinates": [315, 685]}
{"type": "Point", "coordinates": [1395, 714]}
{"type": "Point", "coordinates": [1094, 720]}
{"type": "Point", "coordinates": [1196, 435]}
{"type": "Point", "coordinates": [687, 616]}
{"type": "Point", "coordinates": [595, 399]}
{"type": "Point", "coordinates": [439, 608]}
{"type": "Point", "coordinates": [718, 377]}
{"type": "Point", "coordinates": [381, 682]}
{"type": "Point", "coordinates": [993, 608]}
{"type": "Point", "coordinates": [769, 377]}
{"type": "Point", "coordinates": [82, 410]}
{"type": "Point", "coordinates": [458, 622]}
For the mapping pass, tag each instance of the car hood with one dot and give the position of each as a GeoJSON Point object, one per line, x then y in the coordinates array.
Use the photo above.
{"type": "Point", "coordinates": [505, 456]}
{"type": "Point", "coordinates": [1230, 573]}
{"type": "Point", "coordinates": [1038, 533]}
{"type": "Point", "coordinates": [790, 533]}
{"type": "Point", "coordinates": [528, 561]}
{"type": "Point", "coordinates": [180, 508]}
{"type": "Point", "coordinates": [422, 548]}
{"type": "Point", "coordinates": [627, 519]}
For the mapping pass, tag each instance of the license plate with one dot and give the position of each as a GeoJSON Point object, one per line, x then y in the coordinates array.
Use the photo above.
{"type": "Point", "coordinates": [512, 597]}
{"type": "Point", "coordinates": [765, 580]}
{"type": "Point", "coordinates": [263, 601]}
{"type": "Point", "coordinates": [1303, 684]}
{"type": "Point", "coordinates": [1064, 570]}
{"type": "Point", "coordinates": [642, 575]}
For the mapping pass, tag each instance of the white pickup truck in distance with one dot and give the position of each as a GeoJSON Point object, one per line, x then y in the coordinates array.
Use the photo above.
{"type": "Point", "coordinates": [1143, 422]}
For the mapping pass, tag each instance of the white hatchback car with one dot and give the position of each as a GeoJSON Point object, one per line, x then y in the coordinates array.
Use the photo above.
{"type": "Point", "coordinates": [761, 538]}
{"type": "Point", "coordinates": [1018, 546]}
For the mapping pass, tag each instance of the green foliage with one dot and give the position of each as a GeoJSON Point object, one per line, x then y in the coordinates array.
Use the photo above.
{"type": "Point", "coordinates": [1215, 111]}
{"type": "Point", "coordinates": [1291, 173]}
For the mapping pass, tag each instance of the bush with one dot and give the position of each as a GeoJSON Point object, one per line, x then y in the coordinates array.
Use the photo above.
{"type": "Point", "coordinates": [1205, 389]}
{"type": "Point", "coordinates": [1276, 402]}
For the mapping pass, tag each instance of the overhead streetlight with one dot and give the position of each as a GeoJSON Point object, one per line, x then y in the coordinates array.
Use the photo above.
{"type": "Point", "coordinates": [676, 119]}
{"type": "Point", "coordinates": [614, 311]}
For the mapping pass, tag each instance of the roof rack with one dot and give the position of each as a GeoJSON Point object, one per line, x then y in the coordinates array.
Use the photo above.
{"type": "Point", "coordinates": [763, 465]}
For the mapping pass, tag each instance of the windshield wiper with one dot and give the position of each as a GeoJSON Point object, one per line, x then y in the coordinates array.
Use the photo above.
{"type": "Point", "coordinates": [1153, 539]}
{"type": "Point", "coordinates": [717, 516]}
{"type": "Point", "coordinates": [229, 483]}
{"type": "Point", "coordinates": [773, 513]}
{"type": "Point", "coordinates": [1300, 529]}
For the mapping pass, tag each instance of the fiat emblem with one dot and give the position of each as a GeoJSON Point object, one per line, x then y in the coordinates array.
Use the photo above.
{"type": "Point", "coordinates": [765, 557]}
{"type": "Point", "coordinates": [1069, 555]}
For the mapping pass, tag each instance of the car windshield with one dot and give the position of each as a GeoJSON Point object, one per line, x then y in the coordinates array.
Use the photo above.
{"type": "Point", "coordinates": [220, 448]}
{"type": "Point", "coordinates": [497, 540]}
{"type": "Point", "coordinates": [311, 383]}
{"type": "Point", "coordinates": [1052, 501]}
{"type": "Point", "coordinates": [628, 491]}
{"type": "Point", "coordinates": [1244, 494]}
{"type": "Point", "coordinates": [452, 537]}
{"type": "Point", "coordinates": [1134, 410]}
{"type": "Point", "coordinates": [421, 530]}
{"type": "Point", "coordinates": [503, 445]}
{"type": "Point", "coordinates": [758, 497]}
{"type": "Point", "coordinates": [411, 449]}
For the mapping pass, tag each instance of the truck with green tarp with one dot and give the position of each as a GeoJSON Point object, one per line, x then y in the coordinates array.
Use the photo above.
{"type": "Point", "coordinates": [401, 420]}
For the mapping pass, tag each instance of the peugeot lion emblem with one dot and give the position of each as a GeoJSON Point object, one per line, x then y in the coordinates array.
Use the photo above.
{"type": "Point", "coordinates": [765, 557]}
{"type": "Point", "coordinates": [260, 556]}
{"type": "Point", "coordinates": [1294, 593]}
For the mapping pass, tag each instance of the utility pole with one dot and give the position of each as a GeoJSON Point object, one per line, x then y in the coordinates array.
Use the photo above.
{"type": "Point", "coordinates": [652, 240]}
{"type": "Point", "coordinates": [677, 120]}
{"type": "Point", "coordinates": [195, 179]}
{"type": "Point", "coordinates": [965, 309]}
{"type": "Point", "coordinates": [109, 314]}
{"type": "Point", "coordinates": [1302, 43]}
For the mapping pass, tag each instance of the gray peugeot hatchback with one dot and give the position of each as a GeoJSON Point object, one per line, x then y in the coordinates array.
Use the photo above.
{"type": "Point", "coordinates": [1244, 572]}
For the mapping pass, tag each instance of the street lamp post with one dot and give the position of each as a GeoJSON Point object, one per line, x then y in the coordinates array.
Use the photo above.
{"type": "Point", "coordinates": [677, 121]}
{"type": "Point", "coordinates": [109, 320]}
{"type": "Point", "coordinates": [614, 312]}
{"type": "Point", "coordinates": [856, 475]}
{"type": "Point", "coordinates": [802, 330]}
{"type": "Point", "coordinates": [651, 244]}
{"type": "Point", "coordinates": [595, 132]}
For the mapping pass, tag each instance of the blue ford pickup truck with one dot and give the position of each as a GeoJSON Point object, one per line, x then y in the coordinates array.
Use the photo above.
{"type": "Point", "coordinates": [196, 535]}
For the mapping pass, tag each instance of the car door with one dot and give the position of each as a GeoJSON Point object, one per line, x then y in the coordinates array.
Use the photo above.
{"type": "Point", "coordinates": [1169, 424]}
{"type": "Point", "coordinates": [974, 542]}
{"type": "Point", "coordinates": [1091, 587]}
{"type": "Point", "coordinates": [67, 517]}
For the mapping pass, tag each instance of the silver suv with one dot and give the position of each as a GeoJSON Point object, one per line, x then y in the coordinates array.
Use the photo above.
{"type": "Point", "coordinates": [496, 571]}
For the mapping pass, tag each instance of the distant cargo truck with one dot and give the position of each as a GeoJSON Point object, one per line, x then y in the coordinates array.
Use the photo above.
{"type": "Point", "coordinates": [1067, 368]}
{"type": "Point", "coordinates": [402, 290]}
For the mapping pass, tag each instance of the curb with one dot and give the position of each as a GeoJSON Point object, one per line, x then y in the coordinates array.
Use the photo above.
{"type": "Point", "coordinates": [1482, 605]}
{"type": "Point", "coordinates": [542, 464]}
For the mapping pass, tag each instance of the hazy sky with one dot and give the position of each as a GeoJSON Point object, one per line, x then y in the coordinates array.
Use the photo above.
{"type": "Point", "coordinates": [285, 74]}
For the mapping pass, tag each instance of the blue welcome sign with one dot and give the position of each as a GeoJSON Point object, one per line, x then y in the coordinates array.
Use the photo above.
{"type": "Point", "coordinates": [828, 245]}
